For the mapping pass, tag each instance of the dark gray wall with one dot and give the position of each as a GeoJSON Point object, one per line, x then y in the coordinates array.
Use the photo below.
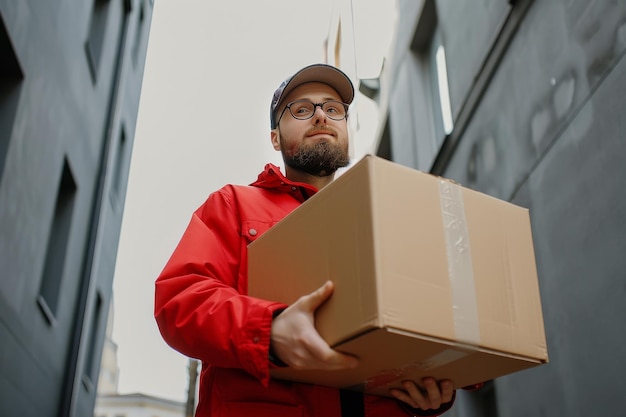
{"type": "Point", "coordinates": [538, 91]}
{"type": "Point", "coordinates": [68, 108]}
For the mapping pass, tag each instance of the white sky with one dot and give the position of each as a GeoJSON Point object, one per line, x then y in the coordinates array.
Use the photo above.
{"type": "Point", "coordinates": [206, 59]}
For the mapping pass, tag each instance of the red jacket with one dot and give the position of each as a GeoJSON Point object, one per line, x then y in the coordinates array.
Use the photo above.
{"type": "Point", "coordinates": [203, 311]}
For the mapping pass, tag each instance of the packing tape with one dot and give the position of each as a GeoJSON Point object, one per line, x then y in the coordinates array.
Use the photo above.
{"type": "Point", "coordinates": [442, 358]}
{"type": "Point", "coordinates": [388, 377]}
{"type": "Point", "coordinates": [460, 270]}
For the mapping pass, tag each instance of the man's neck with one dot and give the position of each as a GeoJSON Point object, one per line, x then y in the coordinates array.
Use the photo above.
{"type": "Point", "coordinates": [314, 180]}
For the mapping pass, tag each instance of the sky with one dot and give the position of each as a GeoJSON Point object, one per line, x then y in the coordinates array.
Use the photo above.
{"type": "Point", "coordinates": [211, 69]}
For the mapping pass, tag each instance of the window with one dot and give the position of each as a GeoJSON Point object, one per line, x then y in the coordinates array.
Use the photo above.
{"type": "Point", "coordinates": [92, 362]}
{"type": "Point", "coordinates": [119, 166]}
{"type": "Point", "coordinates": [54, 264]}
{"type": "Point", "coordinates": [95, 40]}
{"type": "Point", "coordinates": [139, 33]}
{"type": "Point", "coordinates": [440, 93]}
{"type": "Point", "coordinates": [458, 47]}
{"type": "Point", "coordinates": [429, 48]}
{"type": "Point", "coordinates": [441, 72]}
{"type": "Point", "coordinates": [11, 77]}
{"type": "Point", "coordinates": [384, 147]}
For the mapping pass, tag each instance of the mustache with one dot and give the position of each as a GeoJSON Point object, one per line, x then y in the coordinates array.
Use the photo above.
{"type": "Point", "coordinates": [323, 129]}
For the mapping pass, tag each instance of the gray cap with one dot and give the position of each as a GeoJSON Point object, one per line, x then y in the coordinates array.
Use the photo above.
{"type": "Point", "coordinates": [322, 73]}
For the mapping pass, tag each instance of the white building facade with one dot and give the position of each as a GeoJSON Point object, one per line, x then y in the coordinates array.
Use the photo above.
{"type": "Point", "coordinates": [137, 405]}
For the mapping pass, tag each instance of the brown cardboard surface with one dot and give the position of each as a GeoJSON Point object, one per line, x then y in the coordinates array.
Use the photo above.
{"type": "Point", "coordinates": [430, 278]}
{"type": "Point", "coordinates": [412, 358]}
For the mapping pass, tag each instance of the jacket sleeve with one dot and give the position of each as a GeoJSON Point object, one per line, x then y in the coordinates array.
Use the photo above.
{"type": "Point", "coordinates": [199, 310]}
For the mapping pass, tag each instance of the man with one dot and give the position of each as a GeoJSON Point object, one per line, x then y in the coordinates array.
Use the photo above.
{"type": "Point", "coordinates": [201, 302]}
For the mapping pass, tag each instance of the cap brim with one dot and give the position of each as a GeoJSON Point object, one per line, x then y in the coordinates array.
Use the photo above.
{"type": "Point", "coordinates": [324, 74]}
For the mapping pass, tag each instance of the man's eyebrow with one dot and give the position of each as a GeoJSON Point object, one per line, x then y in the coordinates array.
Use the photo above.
{"type": "Point", "coordinates": [328, 98]}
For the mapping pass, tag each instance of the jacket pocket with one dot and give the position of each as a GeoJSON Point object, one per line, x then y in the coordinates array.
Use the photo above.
{"type": "Point", "coordinates": [259, 409]}
{"type": "Point", "coordinates": [253, 229]}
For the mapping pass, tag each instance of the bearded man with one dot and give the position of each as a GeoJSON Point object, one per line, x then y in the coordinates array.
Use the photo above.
{"type": "Point", "coordinates": [201, 302]}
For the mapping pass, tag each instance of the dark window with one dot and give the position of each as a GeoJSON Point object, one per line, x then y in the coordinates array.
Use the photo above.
{"type": "Point", "coordinates": [384, 147]}
{"type": "Point", "coordinates": [139, 33]}
{"type": "Point", "coordinates": [119, 166]}
{"type": "Point", "coordinates": [429, 48]}
{"type": "Point", "coordinates": [97, 30]}
{"type": "Point", "coordinates": [92, 361]}
{"type": "Point", "coordinates": [441, 91]}
{"type": "Point", "coordinates": [57, 245]}
{"type": "Point", "coordinates": [458, 76]}
{"type": "Point", "coordinates": [10, 81]}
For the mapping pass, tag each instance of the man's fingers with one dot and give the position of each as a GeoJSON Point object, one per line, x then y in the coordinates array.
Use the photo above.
{"type": "Point", "coordinates": [433, 396]}
{"type": "Point", "coordinates": [316, 354]}
{"type": "Point", "coordinates": [313, 300]}
{"type": "Point", "coordinates": [447, 391]}
{"type": "Point", "coordinates": [416, 394]}
{"type": "Point", "coordinates": [432, 390]}
{"type": "Point", "coordinates": [334, 360]}
{"type": "Point", "coordinates": [329, 358]}
{"type": "Point", "coordinates": [404, 397]}
{"type": "Point", "coordinates": [296, 341]}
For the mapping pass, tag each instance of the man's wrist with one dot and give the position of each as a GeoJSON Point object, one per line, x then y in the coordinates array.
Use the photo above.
{"type": "Point", "coordinates": [273, 358]}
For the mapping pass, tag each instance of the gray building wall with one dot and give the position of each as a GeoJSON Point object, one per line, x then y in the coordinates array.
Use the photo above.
{"type": "Point", "coordinates": [70, 80]}
{"type": "Point", "coordinates": [537, 95]}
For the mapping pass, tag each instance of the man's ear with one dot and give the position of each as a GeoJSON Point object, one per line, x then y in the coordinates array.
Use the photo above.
{"type": "Point", "coordinates": [275, 137]}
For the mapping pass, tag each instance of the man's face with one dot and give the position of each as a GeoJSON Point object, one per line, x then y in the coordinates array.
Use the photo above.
{"type": "Point", "coordinates": [317, 146]}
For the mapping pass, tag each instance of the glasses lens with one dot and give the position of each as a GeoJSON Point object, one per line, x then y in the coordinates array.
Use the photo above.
{"type": "Point", "coordinates": [302, 109]}
{"type": "Point", "coordinates": [336, 110]}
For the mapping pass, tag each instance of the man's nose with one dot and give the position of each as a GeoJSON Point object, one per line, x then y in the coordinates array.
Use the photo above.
{"type": "Point", "coordinates": [319, 114]}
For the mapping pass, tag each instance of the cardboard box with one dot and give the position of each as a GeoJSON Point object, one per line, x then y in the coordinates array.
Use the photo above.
{"type": "Point", "coordinates": [431, 278]}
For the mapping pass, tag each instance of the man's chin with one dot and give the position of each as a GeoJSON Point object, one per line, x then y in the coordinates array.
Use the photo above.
{"type": "Point", "coordinates": [314, 171]}
{"type": "Point", "coordinates": [319, 165]}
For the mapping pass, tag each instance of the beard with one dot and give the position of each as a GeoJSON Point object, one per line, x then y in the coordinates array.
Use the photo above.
{"type": "Point", "coordinates": [320, 159]}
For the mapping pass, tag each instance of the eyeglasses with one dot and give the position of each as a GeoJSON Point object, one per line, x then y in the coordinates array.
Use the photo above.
{"type": "Point", "coordinates": [304, 109]}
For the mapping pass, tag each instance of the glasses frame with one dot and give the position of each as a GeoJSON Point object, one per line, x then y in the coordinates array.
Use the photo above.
{"type": "Point", "coordinates": [315, 106]}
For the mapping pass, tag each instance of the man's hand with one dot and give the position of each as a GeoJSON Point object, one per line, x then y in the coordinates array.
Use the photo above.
{"type": "Point", "coordinates": [295, 340]}
{"type": "Point", "coordinates": [433, 396]}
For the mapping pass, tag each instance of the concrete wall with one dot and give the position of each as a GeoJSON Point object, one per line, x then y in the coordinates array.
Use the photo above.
{"type": "Point", "coordinates": [538, 92]}
{"type": "Point", "coordinates": [68, 107]}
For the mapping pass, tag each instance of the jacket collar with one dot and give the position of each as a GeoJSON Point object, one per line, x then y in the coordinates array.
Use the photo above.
{"type": "Point", "coordinates": [272, 178]}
